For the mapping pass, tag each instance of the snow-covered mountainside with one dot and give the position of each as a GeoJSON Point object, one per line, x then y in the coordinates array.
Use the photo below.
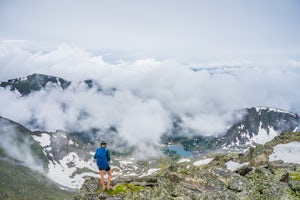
{"type": "Point", "coordinates": [258, 126]}
{"type": "Point", "coordinates": [63, 157]}
{"type": "Point", "coordinates": [71, 159]}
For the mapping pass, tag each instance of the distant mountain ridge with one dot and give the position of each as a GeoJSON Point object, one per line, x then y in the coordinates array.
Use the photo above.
{"type": "Point", "coordinates": [32, 83]}
{"type": "Point", "coordinates": [257, 126]}
{"type": "Point", "coordinates": [35, 82]}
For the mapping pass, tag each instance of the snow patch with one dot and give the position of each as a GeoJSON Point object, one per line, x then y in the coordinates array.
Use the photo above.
{"type": "Point", "coordinates": [64, 171]}
{"type": "Point", "coordinates": [18, 94]}
{"type": "Point", "coordinates": [232, 166]}
{"type": "Point", "coordinates": [260, 108]}
{"type": "Point", "coordinates": [184, 160]}
{"type": "Point", "coordinates": [23, 78]}
{"type": "Point", "coordinates": [263, 136]}
{"type": "Point", "coordinates": [150, 172]}
{"type": "Point", "coordinates": [125, 162]}
{"type": "Point", "coordinates": [71, 142]}
{"type": "Point", "coordinates": [129, 174]}
{"type": "Point", "coordinates": [44, 139]}
{"type": "Point", "coordinates": [289, 153]}
{"type": "Point", "coordinates": [202, 162]}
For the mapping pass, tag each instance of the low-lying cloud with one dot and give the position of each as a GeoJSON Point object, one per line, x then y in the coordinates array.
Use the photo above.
{"type": "Point", "coordinates": [148, 92]}
{"type": "Point", "coordinates": [17, 146]}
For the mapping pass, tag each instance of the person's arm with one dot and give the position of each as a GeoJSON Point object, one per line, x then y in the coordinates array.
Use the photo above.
{"type": "Point", "coordinates": [95, 155]}
{"type": "Point", "coordinates": [108, 155]}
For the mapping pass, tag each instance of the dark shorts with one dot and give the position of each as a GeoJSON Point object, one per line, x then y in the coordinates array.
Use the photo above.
{"type": "Point", "coordinates": [107, 169]}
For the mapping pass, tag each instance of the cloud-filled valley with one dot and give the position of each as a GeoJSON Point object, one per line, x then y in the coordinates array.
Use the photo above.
{"type": "Point", "coordinates": [140, 97]}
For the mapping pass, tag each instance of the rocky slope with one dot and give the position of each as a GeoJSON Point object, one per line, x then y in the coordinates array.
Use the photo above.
{"type": "Point", "coordinates": [22, 165]}
{"type": "Point", "coordinates": [20, 182]}
{"type": "Point", "coordinates": [226, 176]}
{"type": "Point", "coordinates": [17, 142]}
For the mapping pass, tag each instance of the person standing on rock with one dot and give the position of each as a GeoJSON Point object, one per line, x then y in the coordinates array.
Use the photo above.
{"type": "Point", "coordinates": [102, 157]}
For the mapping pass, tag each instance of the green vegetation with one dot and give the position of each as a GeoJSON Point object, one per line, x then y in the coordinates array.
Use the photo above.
{"type": "Point", "coordinates": [295, 176]}
{"type": "Point", "coordinates": [37, 150]}
{"type": "Point", "coordinates": [184, 172]}
{"type": "Point", "coordinates": [23, 137]}
{"type": "Point", "coordinates": [19, 182]}
{"type": "Point", "coordinates": [124, 188]}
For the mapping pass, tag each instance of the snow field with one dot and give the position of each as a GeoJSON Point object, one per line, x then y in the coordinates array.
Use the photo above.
{"type": "Point", "coordinates": [289, 153]}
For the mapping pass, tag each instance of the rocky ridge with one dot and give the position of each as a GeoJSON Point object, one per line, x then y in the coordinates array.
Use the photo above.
{"type": "Point", "coordinates": [256, 178]}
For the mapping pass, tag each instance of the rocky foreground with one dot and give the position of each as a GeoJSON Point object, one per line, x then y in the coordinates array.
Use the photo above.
{"type": "Point", "coordinates": [258, 178]}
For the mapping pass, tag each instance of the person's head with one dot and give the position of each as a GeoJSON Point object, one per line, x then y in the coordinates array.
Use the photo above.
{"type": "Point", "coordinates": [103, 144]}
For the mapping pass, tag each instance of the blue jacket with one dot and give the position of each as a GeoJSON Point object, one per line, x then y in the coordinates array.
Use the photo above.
{"type": "Point", "coordinates": [102, 160]}
{"type": "Point", "coordinates": [107, 154]}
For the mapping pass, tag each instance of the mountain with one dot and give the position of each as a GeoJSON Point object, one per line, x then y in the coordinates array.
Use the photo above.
{"type": "Point", "coordinates": [35, 82]}
{"type": "Point", "coordinates": [65, 158]}
{"type": "Point", "coordinates": [20, 182]}
{"type": "Point", "coordinates": [22, 161]}
{"type": "Point", "coordinates": [257, 125]}
{"type": "Point", "coordinates": [32, 83]}
{"type": "Point", "coordinates": [16, 140]}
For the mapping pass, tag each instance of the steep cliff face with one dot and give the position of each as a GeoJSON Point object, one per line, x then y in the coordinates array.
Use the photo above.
{"type": "Point", "coordinates": [226, 176]}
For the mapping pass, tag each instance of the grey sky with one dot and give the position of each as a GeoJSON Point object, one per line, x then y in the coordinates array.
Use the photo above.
{"type": "Point", "coordinates": [189, 31]}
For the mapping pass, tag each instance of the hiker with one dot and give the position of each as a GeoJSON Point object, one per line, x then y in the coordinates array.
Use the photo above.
{"type": "Point", "coordinates": [102, 157]}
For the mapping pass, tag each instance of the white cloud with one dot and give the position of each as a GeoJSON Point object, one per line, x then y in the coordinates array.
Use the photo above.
{"type": "Point", "coordinates": [148, 92]}
{"type": "Point", "coordinates": [17, 148]}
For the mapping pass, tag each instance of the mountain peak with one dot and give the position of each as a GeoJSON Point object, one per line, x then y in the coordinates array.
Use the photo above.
{"type": "Point", "coordinates": [35, 82]}
{"type": "Point", "coordinates": [260, 109]}
{"type": "Point", "coordinates": [258, 126]}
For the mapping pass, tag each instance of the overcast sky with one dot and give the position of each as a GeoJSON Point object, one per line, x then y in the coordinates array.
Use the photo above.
{"type": "Point", "coordinates": [187, 31]}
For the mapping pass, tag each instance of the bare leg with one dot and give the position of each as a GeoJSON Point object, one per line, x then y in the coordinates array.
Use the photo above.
{"type": "Point", "coordinates": [102, 179]}
{"type": "Point", "coordinates": [108, 179]}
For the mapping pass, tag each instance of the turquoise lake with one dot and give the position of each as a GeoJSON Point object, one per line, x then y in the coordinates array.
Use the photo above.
{"type": "Point", "coordinates": [180, 151]}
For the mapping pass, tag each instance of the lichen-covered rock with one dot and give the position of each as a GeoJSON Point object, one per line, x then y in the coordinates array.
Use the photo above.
{"type": "Point", "coordinates": [276, 180]}
{"type": "Point", "coordinates": [259, 180]}
{"type": "Point", "coordinates": [261, 159]}
{"type": "Point", "coordinates": [244, 170]}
